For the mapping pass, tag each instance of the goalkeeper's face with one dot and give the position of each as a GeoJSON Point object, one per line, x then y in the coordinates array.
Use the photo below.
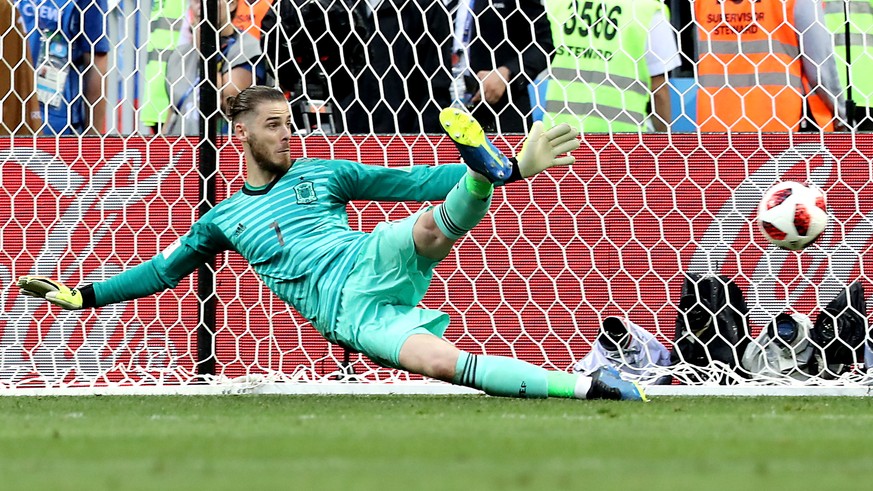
{"type": "Point", "coordinates": [269, 137]}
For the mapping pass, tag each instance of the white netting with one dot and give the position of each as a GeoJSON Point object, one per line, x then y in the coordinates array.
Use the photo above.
{"type": "Point", "coordinates": [612, 237]}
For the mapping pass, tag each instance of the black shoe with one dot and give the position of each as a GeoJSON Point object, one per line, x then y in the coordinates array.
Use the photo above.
{"type": "Point", "coordinates": [606, 383]}
{"type": "Point", "coordinates": [600, 389]}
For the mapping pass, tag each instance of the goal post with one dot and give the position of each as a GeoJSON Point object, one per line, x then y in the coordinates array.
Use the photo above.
{"type": "Point", "coordinates": [612, 236]}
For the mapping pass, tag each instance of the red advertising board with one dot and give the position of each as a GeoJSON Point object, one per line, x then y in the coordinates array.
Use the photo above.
{"type": "Point", "coordinates": [611, 236]}
{"type": "Point", "coordinates": [79, 211]}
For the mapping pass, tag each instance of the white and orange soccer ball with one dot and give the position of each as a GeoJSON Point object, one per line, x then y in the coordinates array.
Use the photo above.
{"type": "Point", "coordinates": [792, 215]}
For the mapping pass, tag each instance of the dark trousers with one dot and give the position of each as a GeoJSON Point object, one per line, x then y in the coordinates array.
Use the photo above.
{"type": "Point", "coordinates": [860, 117]}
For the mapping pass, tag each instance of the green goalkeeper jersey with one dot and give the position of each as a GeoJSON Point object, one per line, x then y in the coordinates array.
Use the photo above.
{"type": "Point", "coordinates": [294, 232]}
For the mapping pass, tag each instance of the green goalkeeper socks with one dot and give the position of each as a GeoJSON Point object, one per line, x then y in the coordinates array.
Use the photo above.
{"type": "Point", "coordinates": [568, 385]}
{"type": "Point", "coordinates": [501, 376]}
{"type": "Point", "coordinates": [480, 188]}
{"type": "Point", "coordinates": [466, 205]}
{"type": "Point", "coordinates": [509, 377]}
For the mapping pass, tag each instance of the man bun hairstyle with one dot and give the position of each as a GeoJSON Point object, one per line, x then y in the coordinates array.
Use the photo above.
{"type": "Point", "coordinates": [250, 98]}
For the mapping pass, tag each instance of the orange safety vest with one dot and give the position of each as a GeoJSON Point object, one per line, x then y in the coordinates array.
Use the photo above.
{"type": "Point", "coordinates": [249, 15]}
{"type": "Point", "coordinates": [749, 68]}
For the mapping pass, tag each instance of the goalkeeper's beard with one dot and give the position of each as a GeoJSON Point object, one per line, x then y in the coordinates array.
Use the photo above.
{"type": "Point", "coordinates": [269, 159]}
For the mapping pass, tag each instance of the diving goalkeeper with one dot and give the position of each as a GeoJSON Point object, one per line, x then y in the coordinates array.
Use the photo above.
{"type": "Point", "coordinates": [359, 290]}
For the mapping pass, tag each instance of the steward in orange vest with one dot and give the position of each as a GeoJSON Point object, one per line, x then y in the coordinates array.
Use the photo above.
{"type": "Point", "coordinates": [751, 71]}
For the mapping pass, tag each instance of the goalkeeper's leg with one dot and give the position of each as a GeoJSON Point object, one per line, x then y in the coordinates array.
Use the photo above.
{"type": "Point", "coordinates": [468, 202]}
{"type": "Point", "coordinates": [542, 148]}
{"type": "Point", "coordinates": [465, 205]}
{"type": "Point", "coordinates": [507, 377]}
{"type": "Point", "coordinates": [436, 231]}
{"type": "Point", "coordinates": [480, 155]}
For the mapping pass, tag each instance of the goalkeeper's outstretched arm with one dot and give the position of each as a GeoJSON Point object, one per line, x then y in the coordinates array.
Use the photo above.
{"type": "Point", "coordinates": [140, 281]}
{"type": "Point", "coordinates": [161, 272]}
{"type": "Point", "coordinates": [541, 150]}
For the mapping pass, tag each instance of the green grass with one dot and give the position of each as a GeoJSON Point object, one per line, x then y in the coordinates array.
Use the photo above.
{"type": "Point", "coordinates": [433, 443]}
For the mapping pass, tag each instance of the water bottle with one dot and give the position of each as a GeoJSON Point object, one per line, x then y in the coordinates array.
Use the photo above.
{"type": "Point", "coordinates": [458, 89]}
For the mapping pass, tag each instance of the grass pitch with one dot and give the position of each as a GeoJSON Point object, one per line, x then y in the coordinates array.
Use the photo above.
{"type": "Point", "coordinates": [433, 443]}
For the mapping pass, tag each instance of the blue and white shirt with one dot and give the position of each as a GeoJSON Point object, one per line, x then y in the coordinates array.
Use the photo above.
{"type": "Point", "coordinates": [64, 31]}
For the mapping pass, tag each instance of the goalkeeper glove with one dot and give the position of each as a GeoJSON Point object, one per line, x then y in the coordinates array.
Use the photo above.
{"type": "Point", "coordinates": [51, 290]}
{"type": "Point", "coordinates": [543, 149]}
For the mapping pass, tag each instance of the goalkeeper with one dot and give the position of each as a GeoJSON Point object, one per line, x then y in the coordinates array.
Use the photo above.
{"type": "Point", "coordinates": [359, 290]}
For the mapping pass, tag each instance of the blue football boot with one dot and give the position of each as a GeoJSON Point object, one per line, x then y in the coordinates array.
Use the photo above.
{"type": "Point", "coordinates": [477, 151]}
{"type": "Point", "coordinates": [605, 385]}
{"type": "Point", "coordinates": [609, 369]}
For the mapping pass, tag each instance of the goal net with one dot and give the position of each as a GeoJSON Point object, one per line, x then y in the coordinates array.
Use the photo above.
{"type": "Point", "coordinates": [616, 235]}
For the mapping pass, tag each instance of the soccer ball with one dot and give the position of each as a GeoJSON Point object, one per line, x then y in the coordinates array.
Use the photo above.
{"type": "Point", "coordinates": [792, 215]}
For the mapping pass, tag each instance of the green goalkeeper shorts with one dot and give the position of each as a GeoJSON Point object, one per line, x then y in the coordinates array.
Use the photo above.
{"type": "Point", "coordinates": [378, 304]}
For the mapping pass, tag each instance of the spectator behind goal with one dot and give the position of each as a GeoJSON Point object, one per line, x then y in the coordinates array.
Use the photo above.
{"type": "Point", "coordinates": [165, 29]}
{"type": "Point", "coordinates": [406, 83]}
{"type": "Point", "coordinates": [316, 51]}
{"type": "Point", "coordinates": [603, 78]}
{"type": "Point", "coordinates": [510, 43]}
{"type": "Point", "coordinates": [763, 65]}
{"type": "Point", "coordinates": [239, 67]}
{"type": "Point", "coordinates": [854, 56]}
{"type": "Point", "coordinates": [68, 43]}
{"type": "Point", "coordinates": [249, 15]}
{"type": "Point", "coordinates": [20, 106]}
{"type": "Point", "coordinates": [361, 68]}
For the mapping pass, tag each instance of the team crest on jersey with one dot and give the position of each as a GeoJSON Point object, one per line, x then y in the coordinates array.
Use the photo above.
{"type": "Point", "coordinates": [305, 192]}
